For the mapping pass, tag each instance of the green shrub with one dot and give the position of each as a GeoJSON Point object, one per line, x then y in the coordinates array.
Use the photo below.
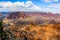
{"type": "Point", "coordinates": [2, 33]}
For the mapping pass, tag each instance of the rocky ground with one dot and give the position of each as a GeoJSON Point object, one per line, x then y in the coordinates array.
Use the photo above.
{"type": "Point", "coordinates": [19, 26]}
{"type": "Point", "coordinates": [17, 30]}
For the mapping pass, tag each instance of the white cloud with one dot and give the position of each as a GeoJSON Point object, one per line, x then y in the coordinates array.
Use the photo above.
{"type": "Point", "coordinates": [18, 6]}
{"type": "Point", "coordinates": [50, 0]}
{"type": "Point", "coordinates": [46, 0]}
{"type": "Point", "coordinates": [56, 0]}
{"type": "Point", "coordinates": [10, 4]}
{"type": "Point", "coordinates": [50, 10]}
{"type": "Point", "coordinates": [27, 6]}
{"type": "Point", "coordinates": [54, 8]}
{"type": "Point", "coordinates": [55, 5]}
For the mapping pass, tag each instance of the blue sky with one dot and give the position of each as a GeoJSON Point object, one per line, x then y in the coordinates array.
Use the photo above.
{"type": "Point", "coordinates": [30, 5]}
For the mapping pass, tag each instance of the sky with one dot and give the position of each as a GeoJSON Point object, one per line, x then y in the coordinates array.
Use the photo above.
{"type": "Point", "coordinates": [30, 5]}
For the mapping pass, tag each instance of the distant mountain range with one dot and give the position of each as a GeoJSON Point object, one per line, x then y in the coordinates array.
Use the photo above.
{"type": "Point", "coordinates": [26, 14]}
{"type": "Point", "coordinates": [3, 15]}
{"type": "Point", "coordinates": [31, 14]}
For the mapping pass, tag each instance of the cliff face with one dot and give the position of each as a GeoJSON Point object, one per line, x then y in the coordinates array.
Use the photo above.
{"type": "Point", "coordinates": [30, 26]}
{"type": "Point", "coordinates": [34, 15]}
{"type": "Point", "coordinates": [22, 14]}
{"type": "Point", "coordinates": [14, 15]}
